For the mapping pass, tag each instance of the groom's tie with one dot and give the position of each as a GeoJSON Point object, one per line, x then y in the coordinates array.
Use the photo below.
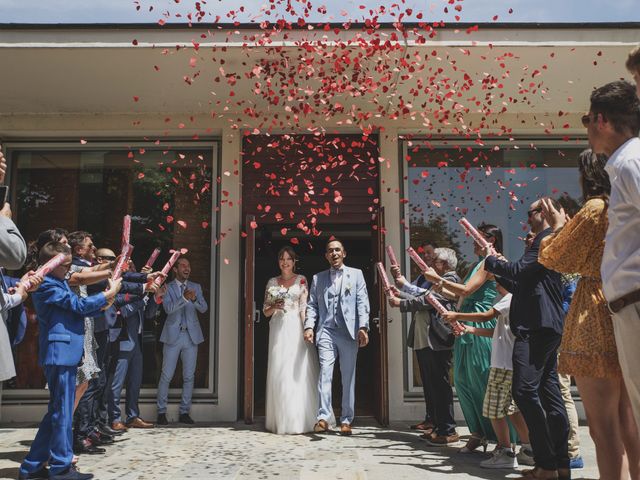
{"type": "Point", "coordinates": [183, 319]}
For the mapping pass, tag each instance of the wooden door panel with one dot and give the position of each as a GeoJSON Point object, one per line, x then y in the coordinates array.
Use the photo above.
{"type": "Point", "coordinates": [249, 311]}
{"type": "Point", "coordinates": [379, 327]}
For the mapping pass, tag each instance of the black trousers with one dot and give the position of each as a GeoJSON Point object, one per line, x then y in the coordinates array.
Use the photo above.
{"type": "Point", "coordinates": [536, 391]}
{"type": "Point", "coordinates": [99, 409]}
{"type": "Point", "coordinates": [435, 368]}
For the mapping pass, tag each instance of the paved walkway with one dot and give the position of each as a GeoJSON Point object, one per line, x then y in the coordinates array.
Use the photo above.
{"type": "Point", "coordinates": [236, 451]}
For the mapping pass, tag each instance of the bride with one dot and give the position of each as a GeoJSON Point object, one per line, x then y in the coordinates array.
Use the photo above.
{"type": "Point", "coordinates": [292, 372]}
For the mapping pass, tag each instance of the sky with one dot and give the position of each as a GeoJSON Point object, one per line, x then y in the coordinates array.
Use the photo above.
{"type": "Point", "coordinates": [124, 11]}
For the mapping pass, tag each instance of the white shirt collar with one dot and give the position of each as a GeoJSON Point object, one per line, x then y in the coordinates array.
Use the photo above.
{"type": "Point", "coordinates": [618, 156]}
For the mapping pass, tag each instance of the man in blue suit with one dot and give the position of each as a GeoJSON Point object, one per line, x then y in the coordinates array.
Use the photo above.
{"type": "Point", "coordinates": [91, 418]}
{"type": "Point", "coordinates": [126, 338]}
{"type": "Point", "coordinates": [338, 311]}
{"type": "Point", "coordinates": [61, 322]}
{"type": "Point", "coordinates": [181, 335]}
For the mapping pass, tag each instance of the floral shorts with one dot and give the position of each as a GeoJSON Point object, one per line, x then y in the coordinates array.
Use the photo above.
{"type": "Point", "coordinates": [498, 401]}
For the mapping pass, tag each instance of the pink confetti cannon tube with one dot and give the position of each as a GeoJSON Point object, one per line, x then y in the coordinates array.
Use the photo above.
{"type": "Point", "coordinates": [383, 277]}
{"type": "Point", "coordinates": [416, 258]}
{"type": "Point", "coordinates": [457, 328]}
{"type": "Point", "coordinates": [124, 258]}
{"type": "Point", "coordinates": [392, 256]}
{"type": "Point", "coordinates": [152, 258]}
{"type": "Point", "coordinates": [475, 234]}
{"type": "Point", "coordinates": [126, 230]}
{"type": "Point", "coordinates": [45, 269]}
{"type": "Point", "coordinates": [168, 266]}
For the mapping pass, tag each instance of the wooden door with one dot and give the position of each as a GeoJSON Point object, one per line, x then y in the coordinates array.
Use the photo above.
{"type": "Point", "coordinates": [249, 313]}
{"type": "Point", "coordinates": [378, 335]}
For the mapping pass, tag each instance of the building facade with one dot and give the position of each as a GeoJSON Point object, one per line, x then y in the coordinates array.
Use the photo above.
{"type": "Point", "coordinates": [100, 121]}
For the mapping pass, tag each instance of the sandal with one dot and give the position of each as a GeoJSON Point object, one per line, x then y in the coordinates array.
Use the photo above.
{"type": "Point", "coordinates": [423, 427]}
{"type": "Point", "coordinates": [473, 443]}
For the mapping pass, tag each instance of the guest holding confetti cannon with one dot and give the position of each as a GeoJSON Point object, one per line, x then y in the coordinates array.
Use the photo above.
{"type": "Point", "coordinates": [417, 287]}
{"type": "Point", "coordinates": [588, 350]}
{"type": "Point", "coordinates": [471, 353]}
{"type": "Point", "coordinates": [432, 340]}
{"type": "Point", "coordinates": [61, 317]}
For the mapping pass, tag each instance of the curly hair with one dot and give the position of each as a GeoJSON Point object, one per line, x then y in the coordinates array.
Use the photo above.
{"type": "Point", "coordinates": [594, 179]}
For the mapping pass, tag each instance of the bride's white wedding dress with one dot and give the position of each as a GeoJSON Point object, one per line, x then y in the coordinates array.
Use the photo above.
{"type": "Point", "coordinates": [292, 372]}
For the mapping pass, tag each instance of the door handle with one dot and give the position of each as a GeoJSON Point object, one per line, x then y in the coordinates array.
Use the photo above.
{"type": "Point", "coordinates": [256, 314]}
{"type": "Point", "coordinates": [376, 322]}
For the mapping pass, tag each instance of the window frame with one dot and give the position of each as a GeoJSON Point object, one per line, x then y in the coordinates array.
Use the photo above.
{"type": "Point", "coordinates": [414, 393]}
{"type": "Point", "coordinates": [147, 395]}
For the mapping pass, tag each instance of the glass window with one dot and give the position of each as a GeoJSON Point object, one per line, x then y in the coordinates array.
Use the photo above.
{"type": "Point", "coordinates": [169, 194]}
{"type": "Point", "coordinates": [490, 184]}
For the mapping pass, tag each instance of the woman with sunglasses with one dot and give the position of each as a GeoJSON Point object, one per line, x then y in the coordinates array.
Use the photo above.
{"type": "Point", "coordinates": [471, 353]}
{"type": "Point", "coordinates": [588, 349]}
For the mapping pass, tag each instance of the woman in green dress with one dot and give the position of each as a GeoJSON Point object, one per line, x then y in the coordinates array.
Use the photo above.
{"type": "Point", "coordinates": [471, 353]}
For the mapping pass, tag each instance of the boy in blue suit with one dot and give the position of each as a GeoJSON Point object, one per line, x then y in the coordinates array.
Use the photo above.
{"type": "Point", "coordinates": [61, 321]}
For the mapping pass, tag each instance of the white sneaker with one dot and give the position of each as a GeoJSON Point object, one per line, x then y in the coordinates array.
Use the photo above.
{"type": "Point", "coordinates": [525, 457]}
{"type": "Point", "coordinates": [501, 458]}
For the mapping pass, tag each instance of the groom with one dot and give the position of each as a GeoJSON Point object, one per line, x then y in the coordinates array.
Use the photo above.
{"type": "Point", "coordinates": [338, 310]}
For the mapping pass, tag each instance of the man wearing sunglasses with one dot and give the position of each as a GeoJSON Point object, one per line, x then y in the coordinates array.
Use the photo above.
{"type": "Point", "coordinates": [537, 320]}
{"type": "Point", "coordinates": [613, 124]}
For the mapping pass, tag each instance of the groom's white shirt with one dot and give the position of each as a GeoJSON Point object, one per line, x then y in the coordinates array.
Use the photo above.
{"type": "Point", "coordinates": [354, 300]}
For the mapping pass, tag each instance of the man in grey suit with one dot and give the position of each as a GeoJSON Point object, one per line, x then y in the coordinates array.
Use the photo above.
{"type": "Point", "coordinates": [13, 249]}
{"type": "Point", "coordinates": [13, 253]}
{"type": "Point", "coordinates": [181, 335]}
{"type": "Point", "coordinates": [338, 310]}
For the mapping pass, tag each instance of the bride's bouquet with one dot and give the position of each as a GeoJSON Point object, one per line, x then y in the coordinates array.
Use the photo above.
{"type": "Point", "coordinates": [276, 293]}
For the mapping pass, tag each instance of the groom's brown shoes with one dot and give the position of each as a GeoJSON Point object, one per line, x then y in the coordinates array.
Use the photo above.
{"type": "Point", "coordinates": [321, 426]}
{"type": "Point", "coordinates": [345, 429]}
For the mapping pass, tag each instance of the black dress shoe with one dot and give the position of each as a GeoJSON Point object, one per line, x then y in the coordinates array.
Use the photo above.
{"type": "Point", "coordinates": [107, 430]}
{"type": "Point", "coordinates": [162, 419]}
{"type": "Point", "coordinates": [42, 473]}
{"type": "Point", "coordinates": [98, 439]}
{"type": "Point", "coordinates": [185, 418]}
{"type": "Point", "coordinates": [85, 446]}
{"type": "Point", "coordinates": [71, 474]}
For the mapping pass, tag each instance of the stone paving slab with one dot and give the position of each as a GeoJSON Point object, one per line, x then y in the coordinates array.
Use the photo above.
{"type": "Point", "coordinates": [235, 451]}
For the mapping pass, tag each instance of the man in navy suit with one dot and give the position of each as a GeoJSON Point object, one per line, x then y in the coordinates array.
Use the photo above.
{"type": "Point", "coordinates": [537, 320]}
{"type": "Point", "coordinates": [92, 417]}
{"type": "Point", "coordinates": [181, 335]}
{"type": "Point", "coordinates": [61, 322]}
{"type": "Point", "coordinates": [126, 367]}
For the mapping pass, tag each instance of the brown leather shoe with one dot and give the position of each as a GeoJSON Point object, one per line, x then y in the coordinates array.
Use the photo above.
{"type": "Point", "coordinates": [119, 427]}
{"type": "Point", "coordinates": [321, 426]}
{"type": "Point", "coordinates": [137, 422]}
{"type": "Point", "coordinates": [345, 429]}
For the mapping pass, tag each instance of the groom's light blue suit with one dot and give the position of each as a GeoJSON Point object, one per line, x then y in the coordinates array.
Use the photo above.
{"type": "Point", "coordinates": [337, 314]}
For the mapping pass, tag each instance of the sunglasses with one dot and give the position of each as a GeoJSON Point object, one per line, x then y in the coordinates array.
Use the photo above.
{"type": "Point", "coordinates": [586, 120]}
{"type": "Point", "coordinates": [533, 210]}
{"type": "Point", "coordinates": [111, 259]}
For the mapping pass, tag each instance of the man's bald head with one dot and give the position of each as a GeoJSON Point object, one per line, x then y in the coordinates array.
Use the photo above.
{"type": "Point", "coordinates": [105, 255]}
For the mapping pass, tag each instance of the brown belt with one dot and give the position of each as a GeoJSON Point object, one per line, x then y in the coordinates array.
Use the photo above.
{"type": "Point", "coordinates": [628, 299]}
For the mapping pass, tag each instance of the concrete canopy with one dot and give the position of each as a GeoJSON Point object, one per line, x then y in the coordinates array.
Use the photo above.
{"type": "Point", "coordinates": [532, 72]}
